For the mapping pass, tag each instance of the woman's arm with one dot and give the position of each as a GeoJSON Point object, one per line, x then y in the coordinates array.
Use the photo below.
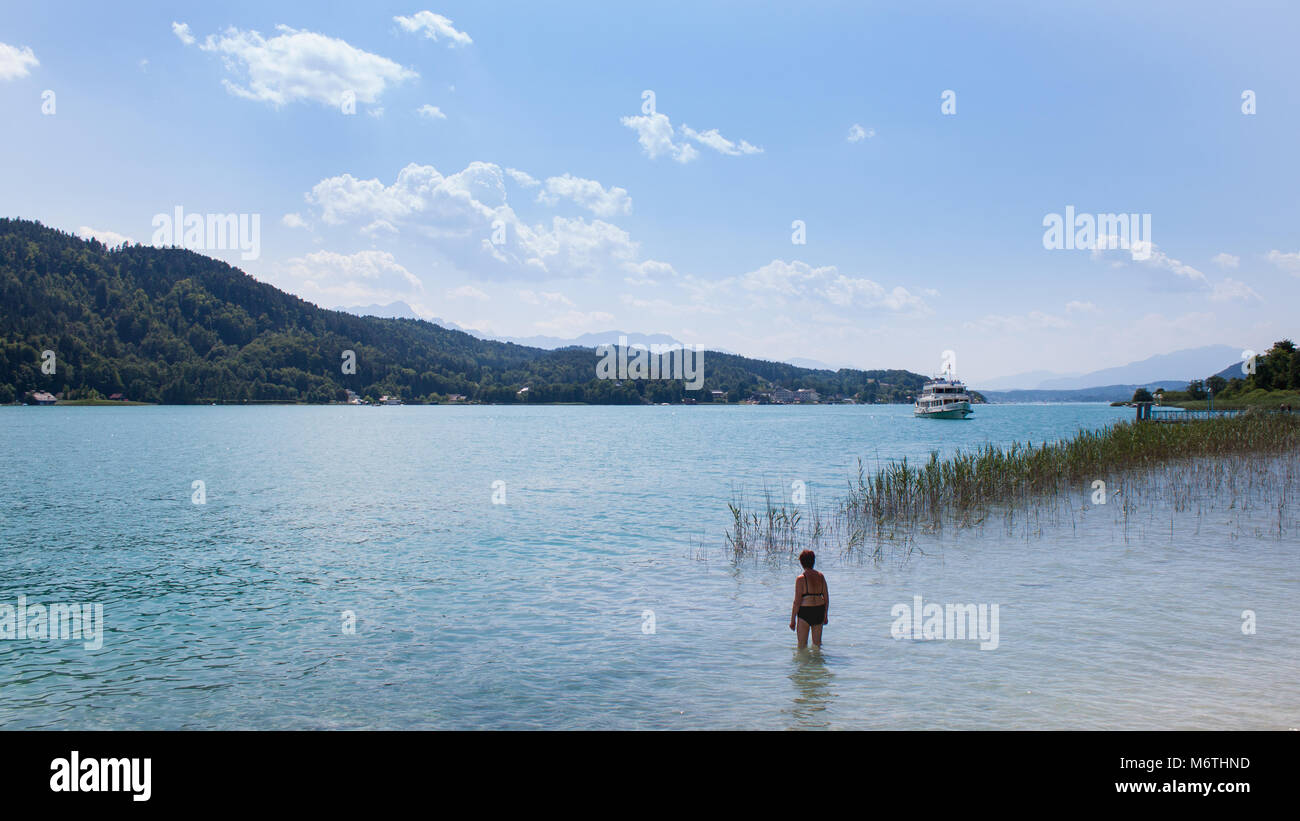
{"type": "Point", "coordinates": [798, 599]}
{"type": "Point", "coordinates": [826, 591]}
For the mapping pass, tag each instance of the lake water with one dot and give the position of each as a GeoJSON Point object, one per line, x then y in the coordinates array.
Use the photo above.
{"type": "Point", "coordinates": [533, 613]}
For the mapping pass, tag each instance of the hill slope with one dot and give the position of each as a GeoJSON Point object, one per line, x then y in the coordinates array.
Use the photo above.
{"type": "Point", "coordinates": [169, 325]}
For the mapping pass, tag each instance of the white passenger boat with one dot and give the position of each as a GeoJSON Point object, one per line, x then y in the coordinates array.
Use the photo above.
{"type": "Point", "coordinates": [943, 398]}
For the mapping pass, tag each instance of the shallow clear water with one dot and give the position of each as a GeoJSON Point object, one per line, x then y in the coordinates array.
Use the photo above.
{"type": "Point", "coordinates": [530, 614]}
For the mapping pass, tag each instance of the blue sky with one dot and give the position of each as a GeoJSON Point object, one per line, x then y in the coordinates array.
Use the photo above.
{"type": "Point", "coordinates": [924, 234]}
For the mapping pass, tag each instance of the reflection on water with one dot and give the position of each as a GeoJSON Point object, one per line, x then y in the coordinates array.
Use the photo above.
{"type": "Point", "coordinates": [811, 676]}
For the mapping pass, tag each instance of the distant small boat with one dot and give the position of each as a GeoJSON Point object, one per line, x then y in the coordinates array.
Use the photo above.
{"type": "Point", "coordinates": [943, 399]}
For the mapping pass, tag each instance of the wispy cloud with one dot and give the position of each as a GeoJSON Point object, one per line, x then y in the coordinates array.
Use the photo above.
{"type": "Point", "coordinates": [800, 281]}
{"type": "Point", "coordinates": [857, 133]}
{"type": "Point", "coordinates": [183, 33]}
{"type": "Point", "coordinates": [575, 323]}
{"type": "Point", "coordinates": [1033, 320]}
{"type": "Point", "coordinates": [719, 143]}
{"type": "Point", "coordinates": [1231, 289]}
{"type": "Point", "coordinates": [348, 279]}
{"type": "Point", "coordinates": [434, 27]}
{"type": "Point", "coordinates": [545, 298]}
{"type": "Point", "coordinates": [1289, 262]}
{"type": "Point", "coordinates": [466, 292]}
{"type": "Point", "coordinates": [657, 138]}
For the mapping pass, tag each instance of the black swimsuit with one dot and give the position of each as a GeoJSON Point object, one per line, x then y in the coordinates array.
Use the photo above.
{"type": "Point", "coordinates": [812, 614]}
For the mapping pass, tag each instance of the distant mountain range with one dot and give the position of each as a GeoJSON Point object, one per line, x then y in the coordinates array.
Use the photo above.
{"type": "Point", "coordinates": [1179, 366]}
{"type": "Point", "coordinates": [393, 310]}
{"type": "Point", "coordinates": [400, 310]}
{"type": "Point", "coordinates": [1105, 393]}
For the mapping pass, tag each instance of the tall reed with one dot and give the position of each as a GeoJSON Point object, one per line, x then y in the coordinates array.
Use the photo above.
{"type": "Point", "coordinates": [902, 497]}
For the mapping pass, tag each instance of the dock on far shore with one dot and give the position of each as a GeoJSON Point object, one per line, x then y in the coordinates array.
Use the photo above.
{"type": "Point", "coordinates": [1150, 412]}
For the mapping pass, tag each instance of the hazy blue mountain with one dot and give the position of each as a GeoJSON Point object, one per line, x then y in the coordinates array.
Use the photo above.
{"type": "Point", "coordinates": [815, 364]}
{"type": "Point", "coordinates": [1233, 371]}
{"type": "Point", "coordinates": [590, 340]}
{"type": "Point", "coordinates": [1179, 366]}
{"type": "Point", "coordinates": [393, 310]}
{"type": "Point", "coordinates": [1105, 393]}
{"type": "Point", "coordinates": [400, 310]}
{"type": "Point", "coordinates": [1022, 381]}
{"type": "Point", "coordinates": [1184, 365]}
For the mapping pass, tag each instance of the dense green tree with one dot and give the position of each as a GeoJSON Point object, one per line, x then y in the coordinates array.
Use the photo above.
{"type": "Point", "coordinates": [1278, 368]}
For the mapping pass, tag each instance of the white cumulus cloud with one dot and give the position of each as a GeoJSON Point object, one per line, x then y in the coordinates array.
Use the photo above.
{"type": "Point", "coordinates": [654, 132]}
{"type": "Point", "coordinates": [109, 238]}
{"type": "Point", "coordinates": [300, 65]}
{"type": "Point", "coordinates": [590, 194]}
{"type": "Point", "coordinates": [466, 217]}
{"type": "Point", "coordinates": [16, 62]}
{"type": "Point", "coordinates": [522, 177]}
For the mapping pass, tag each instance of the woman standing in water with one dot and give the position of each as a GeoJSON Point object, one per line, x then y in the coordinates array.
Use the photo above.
{"type": "Point", "coordinates": [812, 602]}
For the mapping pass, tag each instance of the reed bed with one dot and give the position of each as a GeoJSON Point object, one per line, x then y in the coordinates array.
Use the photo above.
{"type": "Point", "coordinates": [1251, 460]}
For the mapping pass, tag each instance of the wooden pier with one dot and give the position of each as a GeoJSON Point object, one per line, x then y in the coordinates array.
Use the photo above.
{"type": "Point", "coordinates": [1181, 415]}
{"type": "Point", "coordinates": [1150, 412]}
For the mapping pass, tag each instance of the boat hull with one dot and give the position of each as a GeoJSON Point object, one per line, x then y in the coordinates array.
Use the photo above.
{"type": "Point", "coordinates": [958, 411]}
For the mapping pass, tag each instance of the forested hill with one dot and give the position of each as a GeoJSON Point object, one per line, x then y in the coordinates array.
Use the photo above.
{"type": "Point", "coordinates": [173, 326]}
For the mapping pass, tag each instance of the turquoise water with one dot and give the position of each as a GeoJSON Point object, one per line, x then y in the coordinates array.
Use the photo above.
{"type": "Point", "coordinates": [532, 613]}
